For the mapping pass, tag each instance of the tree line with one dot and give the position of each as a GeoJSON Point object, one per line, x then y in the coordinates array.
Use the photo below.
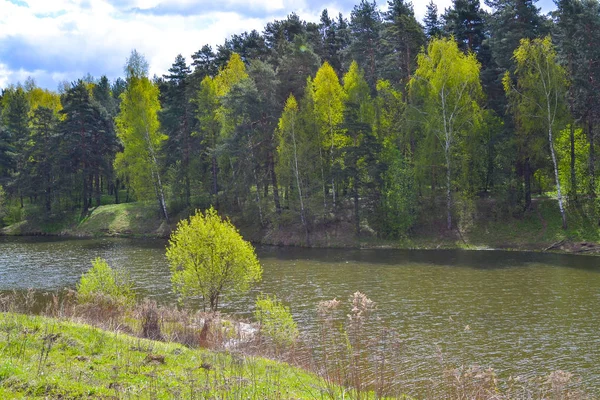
{"type": "Point", "coordinates": [377, 119]}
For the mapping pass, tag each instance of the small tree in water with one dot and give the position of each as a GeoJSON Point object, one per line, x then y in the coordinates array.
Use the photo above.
{"type": "Point", "coordinates": [208, 256]}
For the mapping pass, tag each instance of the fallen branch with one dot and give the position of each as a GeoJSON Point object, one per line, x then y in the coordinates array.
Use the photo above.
{"type": "Point", "coordinates": [555, 245]}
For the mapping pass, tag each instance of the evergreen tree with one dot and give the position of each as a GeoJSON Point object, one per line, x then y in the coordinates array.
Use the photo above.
{"type": "Point", "coordinates": [433, 25]}
{"type": "Point", "coordinates": [204, 62]}
{"type": "Point", "coordinates": [402, 38]}
{"type": "Point", "coordinates": [177, 122]}
{"type": "Point", "coordinates": [465, 22]}
{"type": "Point", "coordinates": [577, 29]}
{"type": "Point", "coordinates": [365, 39]}
{"type": "Point", "coordinates": [42, 154]}
{"type": "Point", "coordinates": [359, 114]}
{"type": "Point", "coordinates": [87, 135]}
{"type": "Point", "coordinates": [15, 116]}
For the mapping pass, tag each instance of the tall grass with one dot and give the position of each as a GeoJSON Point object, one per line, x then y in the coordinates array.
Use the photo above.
{"type": "Point", "coordinates": [353, 352]}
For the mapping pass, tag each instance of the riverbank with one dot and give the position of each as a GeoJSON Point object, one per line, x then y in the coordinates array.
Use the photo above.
{"type": "Point", "coordinates": [54, 358]}
{"type": "Point", "coordinates": [538, 230]}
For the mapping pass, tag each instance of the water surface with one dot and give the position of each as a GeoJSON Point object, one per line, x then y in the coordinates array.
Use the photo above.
{"type": "Point", "coordinates": [521, 313]}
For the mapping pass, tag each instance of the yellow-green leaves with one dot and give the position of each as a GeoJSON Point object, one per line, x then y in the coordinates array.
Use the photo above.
{"type": "Point", "coordinates": [447, 90]}
{"type": "Point", "coordinates": [102, 280]}
{"type": "Point", "coordinates": [540, 82]}
{"type": "Point", "coordinates": [234, 72]}
{"type": "Point", "coordinates": [539, 97]}
{"type": "Point", "coordinates": [329, 105]}
{"type": "Point", "coordinates": [287, 143]}
{"type": "Point", "coordinates": [208, 256]}
{"type": "Point", "coordinates": [447, 79]}
{"type": "Point", "coordinates": [276, 322]}
{"type": "Point", "coordinates": [138, 128]}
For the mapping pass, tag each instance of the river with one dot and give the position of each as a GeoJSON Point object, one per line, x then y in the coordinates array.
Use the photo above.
{"type": "Point", "coordinates": [521, 313]}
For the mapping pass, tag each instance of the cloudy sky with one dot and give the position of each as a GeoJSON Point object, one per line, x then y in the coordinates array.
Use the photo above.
{"type": "Point", "coordinates": [57, 40]}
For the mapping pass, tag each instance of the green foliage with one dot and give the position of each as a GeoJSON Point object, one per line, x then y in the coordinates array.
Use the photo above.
{"type": "Point", "coordinates": [329, 106]}
{"type": "Point", "coordinates": [398, 211]}
{"type": "Point", "coordinates": [208, 256]}
{"type": "Point", "coordinates": [539, 97]}
{"type": "Point", "coordinates": [138, 130]}
{"type": "Point", "coordinates": [3, 205]}
{"type": "Point", "coordinates": [447, 89]}
{"type": "Point", "coordinates": [276, 322]}
{"type": "Point", "coordinates": [102, 280]}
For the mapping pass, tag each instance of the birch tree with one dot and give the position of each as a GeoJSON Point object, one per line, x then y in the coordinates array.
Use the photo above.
{"type": "Point", "coordinates": [447, 90]}
{"type": "Point", "coordinates": [138, 129]}
{"type": "Point", "coordinates": [329, 109]}
{"type": "Point", "coordinates": [288, 152]}
{"type": "Point", "coordinates": [538, 96]}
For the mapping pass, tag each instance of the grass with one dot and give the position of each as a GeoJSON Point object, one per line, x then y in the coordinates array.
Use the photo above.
{"type": "Point", "coordinates": [535, 230]}
{"type": "Point", "coordinates": [127, 219]}
{"type": "Point", "coordinates": [51, 358]}
{"type": "Point", "coordinates": [353, 356]}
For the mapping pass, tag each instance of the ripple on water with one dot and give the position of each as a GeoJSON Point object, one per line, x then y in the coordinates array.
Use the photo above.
{"type": "Point", "coordinates": [521, 313]}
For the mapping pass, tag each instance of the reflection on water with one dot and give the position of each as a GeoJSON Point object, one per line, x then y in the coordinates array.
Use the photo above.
{"type": "Point", "coordinates": [526, 312]}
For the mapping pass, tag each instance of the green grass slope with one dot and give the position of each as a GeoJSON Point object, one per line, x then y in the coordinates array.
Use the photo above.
{"type": "Point", "coordinates": [48, 358]}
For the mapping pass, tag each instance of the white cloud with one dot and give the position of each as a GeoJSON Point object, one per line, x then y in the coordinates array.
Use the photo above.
{"type": "Point", "coordinates": [4, 75]}
{"type": "Point", "coordinates": [420, 7]}
{"type": "Point", "coordinates": [65, 39]}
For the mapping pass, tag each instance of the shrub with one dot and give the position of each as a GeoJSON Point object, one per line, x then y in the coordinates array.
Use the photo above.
{"type": "Point", "coordinates": [276, 322]}
{"type": "Point", "coordinates": [208, 256]}
{"type": "Point", "coordinates": [102, 281]}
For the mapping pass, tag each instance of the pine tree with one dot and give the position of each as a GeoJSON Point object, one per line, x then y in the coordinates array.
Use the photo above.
{"type": "Point", "coordinates": [433, 26]}
{"type": "Point", "coordinates": [365, 36]}
{"type": "Point", "coordinates": [177, 122]}
{"type": "Point", "coordinates": [465, 22]}
{"type": "Point", "coordinates": [402, 38]}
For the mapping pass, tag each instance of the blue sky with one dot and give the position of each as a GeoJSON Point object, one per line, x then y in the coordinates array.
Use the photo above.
{"type": "Point", "coordinates": [63, 40]}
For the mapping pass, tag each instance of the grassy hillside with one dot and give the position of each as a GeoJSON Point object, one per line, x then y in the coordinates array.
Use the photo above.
{"type": "Point", "coordinates": [49, 358]}
{"type": "Point", "coordinates": [484, 227]}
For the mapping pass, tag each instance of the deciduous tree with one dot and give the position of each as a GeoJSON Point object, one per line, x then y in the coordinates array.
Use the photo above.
{"type": "Point", "coordinates": [208, 257]}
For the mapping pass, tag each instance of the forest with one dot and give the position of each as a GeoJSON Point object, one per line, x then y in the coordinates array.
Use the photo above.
{"type": "Point", "coordinates": [375, 118]}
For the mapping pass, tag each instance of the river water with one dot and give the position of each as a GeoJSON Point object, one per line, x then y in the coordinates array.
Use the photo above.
{"type": "Point", "coordinates": [520, 313]}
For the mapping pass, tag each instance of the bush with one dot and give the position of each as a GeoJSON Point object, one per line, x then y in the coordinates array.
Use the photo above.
{"type": "Point", "coordinates": [276, 322]}
{"type": "Point", "coordinates": [102, 281]}
{"type": "Point", "coordinates": [208, 256]}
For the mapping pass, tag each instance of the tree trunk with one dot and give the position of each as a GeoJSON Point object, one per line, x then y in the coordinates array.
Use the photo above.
{"type": "Point", "coordinates": [573, 191]}
{"type": "Point", "coordinates": [116, 189]}
{"type": "Point", "coordinates": [297, 175]}
{"type": "Point", "coordinates": [559, 194]}
{"type": "Point", "coordinates": [356, 206]}
{"type": "Point", "coordinates": [98, 189]}
{"type": "Point", "coordinates": [84, 194]}
{"type": "Point", "coordinates": [591, 160]}
{"type": "Point", "coordinates": [448, 190]}
{"type": "Point", "coordinates": [215, 188]}
{"type": "Point", "coordinates": [527, 177]}
{"type": "Point", "coordinates": [274, 183]}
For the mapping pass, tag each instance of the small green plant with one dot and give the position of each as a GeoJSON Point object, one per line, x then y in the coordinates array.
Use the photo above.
{"type": "Point", "coordinates": [102, 280]}
{"type": "Point", "coordinates": [276, 322]}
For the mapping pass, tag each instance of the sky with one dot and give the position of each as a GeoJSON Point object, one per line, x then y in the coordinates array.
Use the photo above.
{"type": "Point", "coordinates": [54, 41]}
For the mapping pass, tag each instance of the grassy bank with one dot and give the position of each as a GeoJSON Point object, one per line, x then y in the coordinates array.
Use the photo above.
{"type": "Point", "coordinates": [51, 358]}
{"type": "Point", "coordinates": [485, 228]}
